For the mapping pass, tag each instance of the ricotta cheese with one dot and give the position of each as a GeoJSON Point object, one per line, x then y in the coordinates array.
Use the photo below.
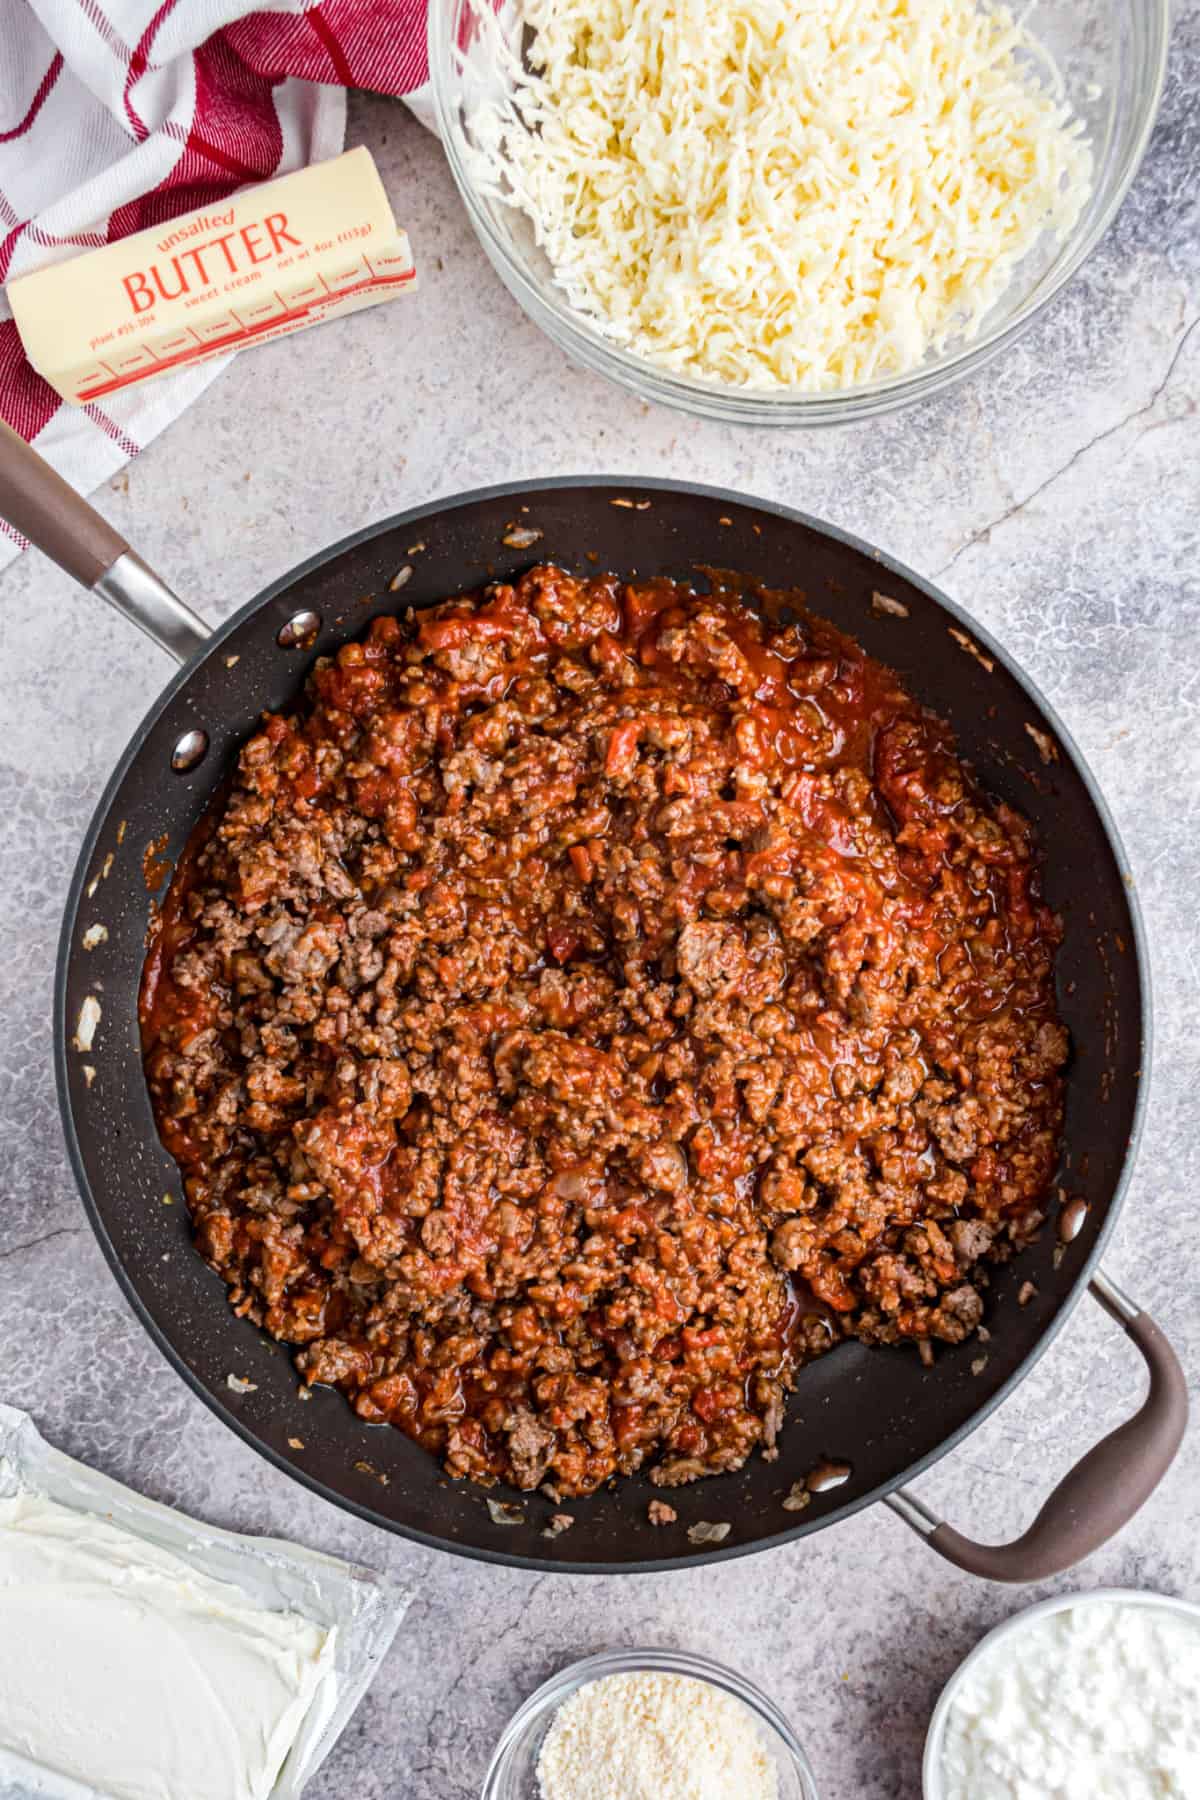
{"type": "Point", "coordinates": [129, 1672]}
{"type": "Point", "coordinates": [803, 193]}
{"type": "Point", "coordinates": [1097, 1702]}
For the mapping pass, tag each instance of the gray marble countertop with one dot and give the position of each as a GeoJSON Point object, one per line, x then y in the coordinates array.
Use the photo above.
{"type": "Point", "coordinates": [1056, 496]}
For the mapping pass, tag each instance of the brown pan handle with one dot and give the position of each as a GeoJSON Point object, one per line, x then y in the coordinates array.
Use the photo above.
{"type": "Point", "coordinates": [1102, 1492]}
{"type": "Point", "coordinates": [43, 507]}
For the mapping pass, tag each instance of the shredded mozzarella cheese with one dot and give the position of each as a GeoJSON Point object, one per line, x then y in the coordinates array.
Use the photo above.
{"type": "Point", "coordinates": [801, 193]}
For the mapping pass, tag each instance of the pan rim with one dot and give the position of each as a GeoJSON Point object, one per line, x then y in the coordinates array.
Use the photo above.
{"type": "Point", "coordinates": [622, 485]}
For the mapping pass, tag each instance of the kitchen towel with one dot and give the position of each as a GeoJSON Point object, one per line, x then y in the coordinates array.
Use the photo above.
{"type": "Point", "coordinates": [116, 115]}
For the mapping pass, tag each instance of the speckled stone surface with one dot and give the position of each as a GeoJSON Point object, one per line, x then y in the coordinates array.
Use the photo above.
{"type": "Point", "coordinates": [1057, 496]}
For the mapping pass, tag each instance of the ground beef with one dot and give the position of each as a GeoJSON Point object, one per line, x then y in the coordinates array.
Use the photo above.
{"type": "Point", "coordinates": [592, 1002]}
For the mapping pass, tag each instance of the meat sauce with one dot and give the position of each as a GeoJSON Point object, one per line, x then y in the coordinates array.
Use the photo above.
{"type": "Point", "coordinates": [592, 1002]}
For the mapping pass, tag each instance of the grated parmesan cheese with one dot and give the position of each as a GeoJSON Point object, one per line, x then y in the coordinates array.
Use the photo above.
{"type": "Point", "coordinates": [650, 1736]}
{"type": "Point", "coordinates": [803, 193]}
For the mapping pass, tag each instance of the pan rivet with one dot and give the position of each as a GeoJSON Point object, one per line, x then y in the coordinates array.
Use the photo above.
{"type": "Point", "coordinates": [300, 631]}
{"type": "Point", "coordinates": [827, 1475]}
{"type": "Point", "coordinates": [189, 750]}
{"type": "Point", "coordinates": [1070, 1220]}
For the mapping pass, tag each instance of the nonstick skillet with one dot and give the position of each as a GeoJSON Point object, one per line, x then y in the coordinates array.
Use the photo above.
{"type": "Point", "coordinates": [862, 1421]}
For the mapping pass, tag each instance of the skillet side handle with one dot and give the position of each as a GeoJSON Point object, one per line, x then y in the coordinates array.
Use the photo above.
{"type": "Point", "coordinates": [43, 507]}
{"type": "Point", "coordinates": [1102, 1492]}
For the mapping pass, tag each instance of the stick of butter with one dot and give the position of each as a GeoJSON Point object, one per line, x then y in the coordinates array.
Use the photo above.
{"type": "Point", "coordinates": [269, 260]}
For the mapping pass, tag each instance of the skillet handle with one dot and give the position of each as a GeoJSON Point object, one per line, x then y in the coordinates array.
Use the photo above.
{"type": "Point", "coordinates": [43, 507]}
{"type": "Point", "coordinates": [1100, 1495]}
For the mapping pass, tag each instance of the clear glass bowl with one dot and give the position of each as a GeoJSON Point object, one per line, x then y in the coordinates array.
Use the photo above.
{"type": "Point", "coordinates": [512, 1774]}
{"type": "Point", "coordinates": [1112, 54]}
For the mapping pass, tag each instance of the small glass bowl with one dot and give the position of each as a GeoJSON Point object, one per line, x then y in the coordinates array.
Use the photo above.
{"type": "Point", "coordinates": [1112, 55]}
{"type": "Point", "coordinates": [512, 1774]}
{"type": "Point", "coordinates": [1012, 1629]}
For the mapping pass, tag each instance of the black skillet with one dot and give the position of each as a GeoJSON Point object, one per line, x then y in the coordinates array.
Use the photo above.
{"type": "Point", "coordinates": [879, 1414]}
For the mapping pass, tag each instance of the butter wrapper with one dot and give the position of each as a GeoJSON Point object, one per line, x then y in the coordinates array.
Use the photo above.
{"type": "Point", "coordinates": [361, 1608]}
{"type": "Point", "coordinates": [267, 261]}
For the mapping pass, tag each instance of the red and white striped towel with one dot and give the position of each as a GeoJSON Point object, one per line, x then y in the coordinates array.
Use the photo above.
{"type": "Point", "coordinates": [116, 115]}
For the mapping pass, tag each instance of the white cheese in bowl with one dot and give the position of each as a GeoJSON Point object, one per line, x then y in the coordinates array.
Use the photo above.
{"type": "Point", "coordinates": [124, 1669]}
{"type": "Point", "coordinates": [649, 1735]}
{"type": "Point", "coordinates": [797, 193]}
{"type": "Point", "coordinates": [1097, 1701]}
